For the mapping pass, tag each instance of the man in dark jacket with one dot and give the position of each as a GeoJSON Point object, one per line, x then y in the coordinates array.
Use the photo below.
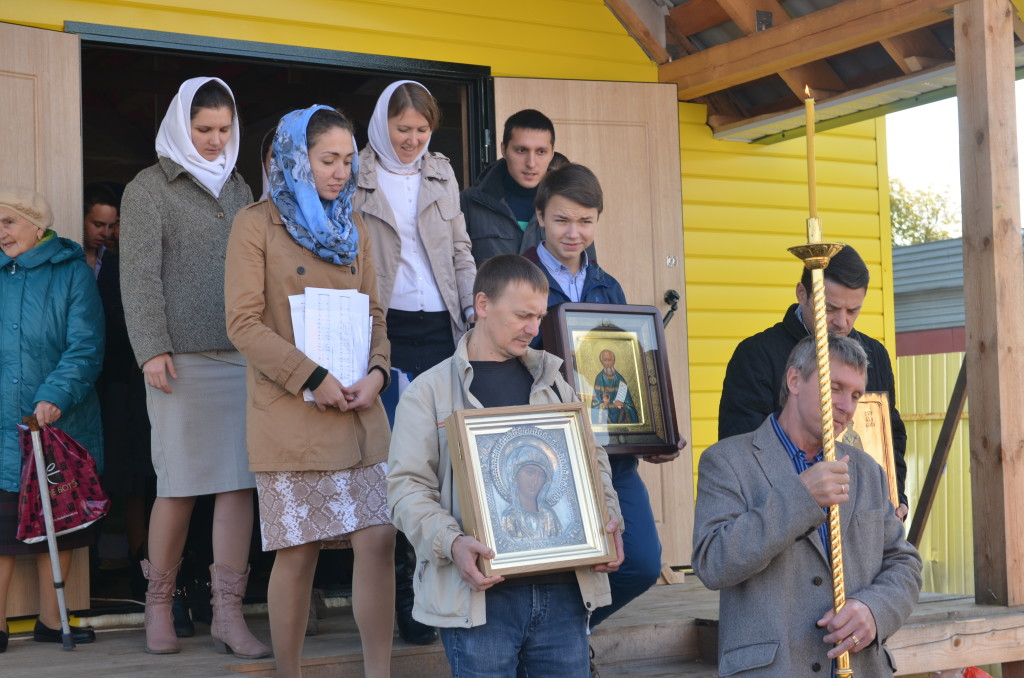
{"type": "Point", "coordinates": [499, 209]}
{"type": "Point", "coordinates": [750, 391]}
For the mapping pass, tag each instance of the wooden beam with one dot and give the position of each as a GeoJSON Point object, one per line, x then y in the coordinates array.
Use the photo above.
{"type": "Point", "coordinates": [744, 12]}
{"type": "Point", "coordinates": [636, 27]}
{"type": "Point", "coordinates": [819, 76]}
{"type": "Point", "coordinates": [818, 35]}
{"type": "Point", "coordinates": [993, 294]}
{"type": "Point", "coordinates": [697, 15]}
{"type": "Point", "coordinates": [722, 106]}
{"type": "Point", "coordinates": [916, 50]}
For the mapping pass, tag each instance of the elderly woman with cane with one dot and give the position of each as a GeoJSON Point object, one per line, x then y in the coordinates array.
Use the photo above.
{"type": "Point", "coordinates": [51, 352]}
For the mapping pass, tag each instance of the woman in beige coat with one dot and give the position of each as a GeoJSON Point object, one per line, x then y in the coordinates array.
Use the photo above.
{"type": "Point", "coordinates": [320, 465]}
{"type": "Point", "coordinates": [425, 271]}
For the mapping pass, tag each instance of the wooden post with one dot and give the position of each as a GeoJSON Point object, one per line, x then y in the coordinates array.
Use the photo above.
{"type": "Point", "coordinates": [993, 295]}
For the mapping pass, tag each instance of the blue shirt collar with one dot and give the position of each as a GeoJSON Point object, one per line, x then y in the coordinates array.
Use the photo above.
{"type": "Point", "coordinates": [571, 284]}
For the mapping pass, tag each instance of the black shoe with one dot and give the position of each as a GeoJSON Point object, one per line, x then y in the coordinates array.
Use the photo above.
{"type": "Point", "coordinates": [199, 603]}
{"type": "Point", "coordinates": [409, 629]}
{"type": "Point", "coordinates": [44, 634]}
{"type": "Point", "coordinates": [183, 626]}
{"type": "Point", "coordinates": [414, 632]}
{"type": "Point", "coordinates": [4, 635]}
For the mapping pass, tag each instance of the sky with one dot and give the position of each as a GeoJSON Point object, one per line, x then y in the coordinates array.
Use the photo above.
{"type": "Point", "coordinates": [923, 145]}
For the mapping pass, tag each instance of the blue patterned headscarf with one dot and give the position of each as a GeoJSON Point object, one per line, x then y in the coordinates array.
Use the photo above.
{"type": "Point", "coordinates": [324, 228]}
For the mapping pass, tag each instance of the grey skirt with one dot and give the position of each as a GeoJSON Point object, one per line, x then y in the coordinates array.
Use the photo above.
{"type": "Point", "coordinates": [198, 430]}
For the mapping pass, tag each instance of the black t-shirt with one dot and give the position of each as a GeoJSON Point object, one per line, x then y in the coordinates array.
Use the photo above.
{"type": "Point", "coordinates": [501, 384]}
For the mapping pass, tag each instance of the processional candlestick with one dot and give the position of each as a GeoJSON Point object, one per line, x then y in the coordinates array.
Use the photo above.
{"type": "Point", "coordinates": [816, 256]}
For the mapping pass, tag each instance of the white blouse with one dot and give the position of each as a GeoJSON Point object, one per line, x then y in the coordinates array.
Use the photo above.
{"type": "Point", "coordinates": [415, 287]}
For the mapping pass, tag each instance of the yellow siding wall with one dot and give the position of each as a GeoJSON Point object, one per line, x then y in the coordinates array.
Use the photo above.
{"type": "Point", "coordinates": [530, 38]}
{"type": "Point", "coordinates": [947, 547]}
{"type": "Point", "coordinates": [743, 204]}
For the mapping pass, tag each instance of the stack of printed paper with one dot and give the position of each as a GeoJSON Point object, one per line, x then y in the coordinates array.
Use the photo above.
{"type": "Point", "coordinates": [333, 328]}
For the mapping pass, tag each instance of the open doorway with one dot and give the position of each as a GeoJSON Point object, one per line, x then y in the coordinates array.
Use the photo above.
{"type": "Point", "coordinates": [129, 79]}
{"type": "Point", "coordinates": [126, 90]}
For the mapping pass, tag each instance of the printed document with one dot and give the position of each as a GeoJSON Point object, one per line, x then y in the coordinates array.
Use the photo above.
{"type": "Point", "coordinates": [333, 328]}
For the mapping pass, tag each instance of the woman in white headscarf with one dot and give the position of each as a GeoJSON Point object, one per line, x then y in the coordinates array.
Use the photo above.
{"type": "Point", "coordinates": [175, 221]}
{"type": "Point", "coordinates": [409, 199]}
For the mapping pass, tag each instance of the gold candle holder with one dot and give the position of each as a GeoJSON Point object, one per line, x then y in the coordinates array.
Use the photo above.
{"type": "Point", "coordinates": [816, 256]}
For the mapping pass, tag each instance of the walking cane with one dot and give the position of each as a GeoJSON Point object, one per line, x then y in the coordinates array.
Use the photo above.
{"type": "Point", "coordinates": [51, 539]}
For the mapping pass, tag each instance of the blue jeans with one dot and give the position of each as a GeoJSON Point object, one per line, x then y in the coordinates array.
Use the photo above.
{"type": "Point", "coordinates": [642, 565]}
{"type": "Point", "coordinates": [542, 627]}
{"type": "Point", "coordinates": [392, 394]}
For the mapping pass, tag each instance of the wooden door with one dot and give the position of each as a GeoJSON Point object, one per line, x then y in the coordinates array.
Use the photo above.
{"type": "Point", "coordinates": [628, 134]}
{"type": "Point", "coordinates": [41, 138]}
{"type": "Point", "coordinates": [40, 106]}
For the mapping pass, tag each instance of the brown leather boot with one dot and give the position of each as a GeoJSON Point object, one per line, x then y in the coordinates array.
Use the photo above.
{"type": "Point", "coordinates": [160, 636]}
{"type": "Point", "coordinates": [228, 629]}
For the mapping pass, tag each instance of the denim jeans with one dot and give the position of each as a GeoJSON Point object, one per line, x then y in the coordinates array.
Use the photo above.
{"type": "Point", "coordinates": [543, 627]}
{"type": "Point", "coordinates": [642, 565]}
{"type": "Point", "coordinates": [392, 394]}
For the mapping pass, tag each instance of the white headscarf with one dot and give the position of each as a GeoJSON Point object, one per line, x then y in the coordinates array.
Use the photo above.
{"type": "Point", "coordinates": [380, 136]}
{"type": "Point", "coordinates": [174, 140]}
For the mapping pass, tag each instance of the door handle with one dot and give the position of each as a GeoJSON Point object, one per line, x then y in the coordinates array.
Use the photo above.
{"type": "Point", "coordinates": [672, 299]}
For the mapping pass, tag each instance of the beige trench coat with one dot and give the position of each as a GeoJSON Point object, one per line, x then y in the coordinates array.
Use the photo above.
{"type": "Point", "coordinates": [264, 266]}
{"type": "Point", "coordinates": [441, 226]}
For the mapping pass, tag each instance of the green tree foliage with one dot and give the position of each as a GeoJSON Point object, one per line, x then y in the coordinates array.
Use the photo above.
{"type": "Point", "coordinates": [921, 215]}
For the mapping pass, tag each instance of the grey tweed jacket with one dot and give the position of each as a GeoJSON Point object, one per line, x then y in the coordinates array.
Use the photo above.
{"type": "Point", "coordinates": [174, 235]}
{"type": "Point", "coordinates": [755, 538]}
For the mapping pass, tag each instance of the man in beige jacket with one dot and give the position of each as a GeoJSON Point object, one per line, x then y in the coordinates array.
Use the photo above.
{"type": "Point", "coordinates": [489, 625]}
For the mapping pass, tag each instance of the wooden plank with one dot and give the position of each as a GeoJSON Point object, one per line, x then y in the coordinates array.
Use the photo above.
{"type": "Point", "coordinates": [819, 76]}
{"type": "Point", "coordinates": [957, 641]}
{"type": "Point", "coordinates": [942, 445]}
{"type": "Point", "coordinates": [636, 27]}
{"type": "Point", "coordinates": [913, 51]}
{"type": "Point", "coordinates": [698, 15]}
{"type": "Point", "coordinates": [818, 35]}
{"type": "Point", "coordinates": [993, 294]}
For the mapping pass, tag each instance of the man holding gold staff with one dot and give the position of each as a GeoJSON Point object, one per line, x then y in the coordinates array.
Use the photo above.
{"type": "Point", "coordinates": [751, 386]}
{"type": "Point", "coordinates": [761, 535]}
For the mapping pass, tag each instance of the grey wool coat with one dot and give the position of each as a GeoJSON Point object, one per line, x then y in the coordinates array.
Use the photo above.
{"type": "Point", "coordinates": [174, 235]}
{"type": "Point", "coordinates": [755, 539]}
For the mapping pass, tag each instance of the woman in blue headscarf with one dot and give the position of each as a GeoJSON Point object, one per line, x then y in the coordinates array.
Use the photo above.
{"type": "Point", "coordinates": [320, 466]}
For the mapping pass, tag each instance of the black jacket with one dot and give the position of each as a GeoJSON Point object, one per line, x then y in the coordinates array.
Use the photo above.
{"type": "Point", "coordinates": [753, 380]}
{"type": "Point", "coordinates": [492, 227]}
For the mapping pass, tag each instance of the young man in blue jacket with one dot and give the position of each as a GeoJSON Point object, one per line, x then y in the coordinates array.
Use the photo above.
{"type": "Point", "coordinates": [569, 203]}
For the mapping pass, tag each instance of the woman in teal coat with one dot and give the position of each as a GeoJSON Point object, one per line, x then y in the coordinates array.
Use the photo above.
{"type": "Point", "coordinates": [51, 352]}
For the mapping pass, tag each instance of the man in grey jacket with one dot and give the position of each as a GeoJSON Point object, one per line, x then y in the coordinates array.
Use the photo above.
{"type": "Point", "coordinates": [489, 624]}
{"type": "Point", "coordinates": [761, 535]}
